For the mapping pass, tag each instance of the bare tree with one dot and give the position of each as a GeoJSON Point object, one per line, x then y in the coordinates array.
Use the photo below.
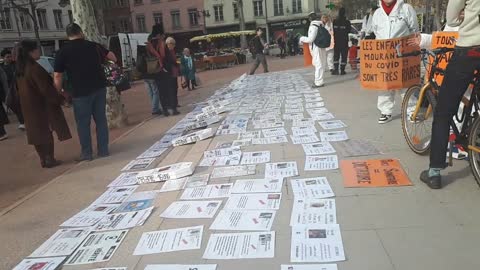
{"type": "Point", "coordinates": [27, 7]}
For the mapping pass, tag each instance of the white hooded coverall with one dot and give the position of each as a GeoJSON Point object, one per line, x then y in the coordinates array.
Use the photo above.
{"type": "Point", "coordinates": [319, 55]}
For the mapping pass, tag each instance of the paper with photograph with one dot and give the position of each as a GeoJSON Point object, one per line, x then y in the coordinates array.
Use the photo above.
{"type": "Point", "coordinates": [207, 192]}
{"type": "Point", "coordinates": [308, 241]}
{"type": "Point", "coordinates": [311, 188]}
{"type": "Point", "coordinates": [169, 240]}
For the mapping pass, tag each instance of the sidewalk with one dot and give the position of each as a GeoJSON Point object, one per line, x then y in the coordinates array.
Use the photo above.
{"type": "Point", "coordinates": [408, 228]}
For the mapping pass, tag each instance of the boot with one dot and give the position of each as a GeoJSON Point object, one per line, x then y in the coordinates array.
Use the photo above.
{"type": "Point", "coordinates": [335, 69]}
{"type": "Point", "coordinates": [41, 154]}
{"type": "Point", "coordinates": [342, 70]}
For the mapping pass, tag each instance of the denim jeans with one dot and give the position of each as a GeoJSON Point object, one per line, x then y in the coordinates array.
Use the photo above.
{"type": "Point", "coordinates": [152, 89]}
{"type": "Point", "coordinates": [84, 109]}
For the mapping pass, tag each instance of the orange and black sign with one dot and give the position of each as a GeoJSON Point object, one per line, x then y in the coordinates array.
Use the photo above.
{"type": "Point", "coordinates": [374, 173]}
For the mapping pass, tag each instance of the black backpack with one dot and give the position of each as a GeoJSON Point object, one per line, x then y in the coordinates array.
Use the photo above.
{"type": "Point", "coordinates": [323, 38]}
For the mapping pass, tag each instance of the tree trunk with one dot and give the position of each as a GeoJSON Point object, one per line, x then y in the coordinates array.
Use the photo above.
{"type": "Point", "coordinates": [33, 15]}
{"type": "Point", "coordinates": [438, 15]}
{"type": "Point", "coordinates": [84, 15]}
{"type": "Point", "coordinates": [241, 17]}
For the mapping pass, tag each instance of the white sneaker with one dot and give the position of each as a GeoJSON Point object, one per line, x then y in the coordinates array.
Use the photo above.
{"type": "Point", "coordinates": [4, 137]}
{"type": "Point", "coordinates": [21, 127]}
{"type": "Point", "coordinates": [384, 118]}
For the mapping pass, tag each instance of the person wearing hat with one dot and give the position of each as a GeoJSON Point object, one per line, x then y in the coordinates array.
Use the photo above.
{"type": "Point", "coordinates": [319, 55]}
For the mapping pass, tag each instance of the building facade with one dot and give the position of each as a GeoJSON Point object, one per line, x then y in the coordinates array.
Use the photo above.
{"type": "Point", "coordinates": [116, 17]}
{"type": "Point", "coordinates": [16, 24]}
{"type": "Point", "coordinates": [182, 19]}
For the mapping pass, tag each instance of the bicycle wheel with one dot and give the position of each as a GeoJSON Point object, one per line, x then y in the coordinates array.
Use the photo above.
{"type": "Point", "coordinates": [418, 131]}
{"type": "Point", "coordinates": [474, 143]}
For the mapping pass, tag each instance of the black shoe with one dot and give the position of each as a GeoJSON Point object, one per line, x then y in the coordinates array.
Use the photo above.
{"type": "Point", "coordinates": [50, 163]}
{"type": "Point", "coordinates": [433, 182]}
{"type": "Point", "coordinates": [157, 113]}
{"type": "Point", "coordinates": [335, 72]}
{"type": "Point", "coordinates": [175, 112]}
{"type": "Point", "coordinates": [343, 72]}
{"type": "Point", "coordinates": [317, 86]}
{"type": "Point", "coordinates": [166, 113]}
{"type": "Point", "coordinates": [83, 158]}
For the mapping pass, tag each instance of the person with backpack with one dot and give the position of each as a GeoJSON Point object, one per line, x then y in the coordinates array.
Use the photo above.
{"type": "Point", "coordinates": [341, 29]}
{"type": "Point", "coordinates": [319, 39]}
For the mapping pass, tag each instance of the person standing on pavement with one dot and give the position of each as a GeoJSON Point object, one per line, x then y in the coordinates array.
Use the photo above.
{"type": "Point", "coordinates": [394, 19]}
{"type": "Point", "coordinates": [173, 69]}
{"type": "Point", "coordinates": [458, 75]}
{"type": "Point", "coordinates": [188, 69]}
{"type": "Point", "coordinates": [319, 55]}
{"type": "Point", "coordinates": [327, 22]}
{"type": "Point", "coordinates": [83, 61]}
{"type": "Point", "coordinates": [341, 29]}
{"type": "Point", "coordinates": [367, 32]}
{"type": "Point", "coordinates": [41, 104]}
{"type": "Point", "coordinates": [259, 46]}
{"type": "Point", "coordinates": [11, 93]}
{"type": "Point", "coordinates": [282, 45]}
{"type": "Point", "coordinates": [3, 114]}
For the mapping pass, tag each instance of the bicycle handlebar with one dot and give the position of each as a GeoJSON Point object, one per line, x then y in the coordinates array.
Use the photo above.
{"type": "Point", "coordinates": [433, 52]}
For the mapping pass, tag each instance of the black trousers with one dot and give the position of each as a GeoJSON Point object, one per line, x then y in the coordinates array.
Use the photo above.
{"type": "Point", "coordinates": [340, 51]}
{"type": "Point", "coordinates": [163, 85]}
{"type": "Point", "coordinates": [458, 76]}
{"type": "Point", "coordinates": [174, 93]}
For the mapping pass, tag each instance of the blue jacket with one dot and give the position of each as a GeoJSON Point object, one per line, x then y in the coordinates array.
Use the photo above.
{"type": "Point", "coordinates": [188, 73]}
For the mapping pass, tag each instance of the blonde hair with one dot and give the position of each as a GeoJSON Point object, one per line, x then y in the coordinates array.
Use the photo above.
{"type": "Point", "coordinates": [170, 40]}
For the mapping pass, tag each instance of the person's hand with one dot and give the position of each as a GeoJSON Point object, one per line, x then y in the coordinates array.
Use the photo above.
{"type": "Point", "coordinates": [461, 17]}
{"type": "Point", "coordinates": [415, 40]}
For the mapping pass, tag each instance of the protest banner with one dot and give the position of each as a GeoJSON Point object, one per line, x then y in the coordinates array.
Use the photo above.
{"type": "Point", "coordinates": [382, 69]}
{"type": "Point", "coordinates": [442, 40]}
{"type": "Point", "coordinates": [307, 57]}
{"type": "Point", "coordinates": [373, 173]}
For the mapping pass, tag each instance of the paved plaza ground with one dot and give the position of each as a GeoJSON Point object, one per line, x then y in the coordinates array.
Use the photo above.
{"type": "Point", "coordinates": [407, 228]}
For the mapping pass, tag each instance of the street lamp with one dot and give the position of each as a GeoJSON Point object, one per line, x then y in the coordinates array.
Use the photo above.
{"type": "Point", "coordinates": [205, 14]}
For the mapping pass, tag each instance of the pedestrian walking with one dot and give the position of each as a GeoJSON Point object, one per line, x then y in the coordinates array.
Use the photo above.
{"type": "Point", "coordinates": [341, 29]}
{"type": "Point", "coordinates": [394, 19]}
{"type": "Point", "coordinates": [11, 94]}
{"type": "Point", "coordinates": [3, 114]}
{"type": "Point", "coordinates": [259, 46]}
{"type": "Point", "coordinates": [327, 22]}
{"type": "Point", "coordinates": [188, 69]}
{"type": "Point", "coordinates": [173, 69]}
{"type": "Point", "coordinates": [458, 75]}
{"type": "Point", "coordinates": [83, 61]}
{"type": "Point", "coordinates": [367, 31]}
{"type": "Point", "coordinates": [318, 39]}
{"type": "Point", "coordinates": [282, 45]}
{"type": "Point", "coordinates": [41, 104]}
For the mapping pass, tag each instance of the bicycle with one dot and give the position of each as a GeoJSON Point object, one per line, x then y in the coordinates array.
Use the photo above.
{"type": "Point", "coordinates": [417, 123]}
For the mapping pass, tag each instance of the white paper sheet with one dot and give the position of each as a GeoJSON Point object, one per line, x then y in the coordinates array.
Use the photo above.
{"type": "Point", "coordinates": [298, 131]}
{"type": "Point", "coordinates": [280, 170]}
{"type": "Point", "coordinates": [90, 215]}
{"type": "Point", "coordinates": [221, 161]}
{"type": "Point", "coordinates": [185, 267]}
{"type": "Point", "coordinates": [317, 111]}
{"type": "Point", "coordinates": [254, 201]}
{"type": "Point", "coordinates": [311, 188]}
{"type": "Point", "coordinates": [250, 135]}
{"type": "Point", "coordinates": [244, 220]}
{"type": "Point", "coordinates": [249, 245]}
{"type": "Point", "coordinates": [138, 201]}
{"type": "Point", "coordinates": [197, 180]}
{"type": "Point", "coordinates": [319, 148]}
{"type": "Point", "coordinates": [169, 240]}
{"type": "Point", "coordinates": [333, 124]}
{"type": "Point", "coordinates": [192, 209]}
{"type": "Point", "coordinates": [124, 179]}
{"type": "Point", "coordinates": [294, 116]}
{"type": "Point", "coordinates": [173, 185]}
{"type": "Point", "coordinates": [242, 143]}
{"type": "Point", "coordinates": [314, 105]}
{"type": "Point", "coordinates": [321, 116]}
{"type": "Point", "coordinates": [232, 171]}
{"type": "Point", "coordinates": [138, 164]}
{"type": "Point", "coordinates": [255, 157]}
{"type": "Point", "coordinates": [305, 139]}
{"type": "Point", "coordinates": [40, 263]}
{"type": "Point", "coordinates": [62, 243]}
{"type": "Point", "coordinates": [173, 171]}
{"type": "Point", "coordinates": [220, 152]}
{"type": "Point", "coordinates": [121, 221]}
{"type": "Point", "coordinates": [274, 132]}
{"type": "Point", "coordinates": [308, 267]}
{"type": "Point", "coordinates": [115, 195]}
{"type": "Point", "coordinates": [257, 186]}
{"type": "Point", "coordinates": [304, 122]}
{"type": "Point", "coordinates": [270, 140]}
{"type": "Point", "coordinates": [313, 211]}
{"type": "Point", "coordinates": [321, 163]}
{"type": "Point", "coordinates": [334, 136]}
{"type": "Point", "coordinates": [207, 192]}
{"type": "Point", "coordinates": [98, 247]}
{"type": "Point", "coordinates": [317, 243]}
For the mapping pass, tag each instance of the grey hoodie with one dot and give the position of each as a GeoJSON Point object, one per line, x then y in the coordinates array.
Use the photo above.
{"type": "Point", "coordinates": [470, 25]}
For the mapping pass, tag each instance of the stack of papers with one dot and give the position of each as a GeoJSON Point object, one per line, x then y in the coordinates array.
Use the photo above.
{"type": "Point", "coordinates": [193, 137]}
{"type": "Point", "coordinates": [174, 171]}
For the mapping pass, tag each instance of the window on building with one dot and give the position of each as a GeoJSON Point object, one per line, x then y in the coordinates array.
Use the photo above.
{"type": "Point", "coordinates": [193, 16]}
{"type": "Point", "coordinates": [42, 19]}
{"type": "Point", "coordinates": [176, 19]}
{"type": "Point", "coordinates": [124, 25]}
{"type": "Point", "coordinates": [235, 11]}
{"type": "Point", "coordinates": [138, 2]}
{"type": "Point", "coordinates": [70, 16]}
{"type": "Point", "coordinates": [5, 19]}
{"type": "Point", "coordinates": [141, 26]}
{"type": "Point", "coordinates": [278, 7]}
{"type": "Point", "coordinates": [218, 10]}
{"type": "Point", "coordinates": [113, 27]}
{"type": "Point", "coordinates": [158, 18]}
{"type": "Point", "coordinates": [121, 3]}
{"type": "Point", "coordinates": [296, 6]}
{"type": "Point", "coordinates": [25, 21]}
{"type": "Point", "coordinates": [57, 15]}
{"type": "Point", "coordinates": [258, 8]}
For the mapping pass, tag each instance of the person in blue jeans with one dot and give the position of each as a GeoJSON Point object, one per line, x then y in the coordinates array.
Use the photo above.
{"type": "Point", "coordinates": [82, 60]}
{"type": "Point", "coordinates": [152, 88]}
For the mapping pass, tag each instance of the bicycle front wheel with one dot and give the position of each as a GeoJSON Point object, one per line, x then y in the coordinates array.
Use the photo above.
{"type": "Point", "coordinates": [417, 129]}
{"type": "Point", "coordinates": [474, 149]}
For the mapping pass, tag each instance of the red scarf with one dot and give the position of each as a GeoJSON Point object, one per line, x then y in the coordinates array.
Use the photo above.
{"type": "Point", "coordinates": [388, 9]}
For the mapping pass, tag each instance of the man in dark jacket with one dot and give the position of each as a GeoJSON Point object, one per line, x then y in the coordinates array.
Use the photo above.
{"type": "Point", "coordinates": [341, 29]}
{"type": "Point", "coordinates": [12, 101]}
{"type": "Point", "coordinates": [258, 46]}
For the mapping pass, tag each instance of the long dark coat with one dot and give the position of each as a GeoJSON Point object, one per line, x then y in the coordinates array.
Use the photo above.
{"type": "Point", "coordinates": [41, 106]}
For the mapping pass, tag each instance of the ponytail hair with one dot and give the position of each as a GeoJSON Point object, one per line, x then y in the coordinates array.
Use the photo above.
{"type": "Point", "coordinates": [23, 56]}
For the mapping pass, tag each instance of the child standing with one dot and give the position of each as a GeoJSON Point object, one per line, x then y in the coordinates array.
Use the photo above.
{"type": "Point", "coordinates": [352, 54]}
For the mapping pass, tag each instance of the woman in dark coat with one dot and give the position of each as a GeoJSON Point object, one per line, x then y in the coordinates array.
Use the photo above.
{"type": "Point", "coordinates": [41, 104]}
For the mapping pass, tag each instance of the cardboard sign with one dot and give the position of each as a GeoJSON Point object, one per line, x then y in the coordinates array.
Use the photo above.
{"type": "Point", "coordinates": [442, 40]}
{"type": "Point", "coordinates": [373, 173]}
{"type": "Point", "coordinates": [382, 69]}
{"type": "Point", "coordinates": [307, 57]}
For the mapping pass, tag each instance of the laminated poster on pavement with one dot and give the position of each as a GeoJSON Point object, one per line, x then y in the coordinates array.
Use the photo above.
{"type": "Point", "coordinates": [313, 211]}
{"type": "Point", "coordinates": [270, 140]}
{"type": "Point", "coordinates": [138, 164]}
{"type": "Point", "coordinates": [311, 188]}
{"type": "Point", "coordinates": [221, 161]}
{"type": "Point", "coordinates": [181, 267]}
{"type": "Point", "coordinates": [250, 245]}
{"type": "Point", "coordinates": [333, 124]}
{"type": "Point", "coordinates": [121, 221]}
{"type": "Point", "coordinates": [244, 220]}
{"type": "Point", "coordinates": [334, 136]}
{"type": "Point", "coordinates": [199, 180]}
{"type": "Point", "coordinates": [317, 243]}
{"type": "Point", "coordinates": [169, 240]}
{"type": "Point", "coordinates": [173, 185]}
{"type": "Point", "coordinates": [90, 215]}
{"type": "Point", "coordinates": [98, 247]}
{"type": "Point", "coordinates": [220, 152]}
{"type": "Point", "coordinates": [298, 131]}
{"type": "Point", "coordinates": [232, 171]}
{"type": "Point", "coordinates": [138, 201]}
{"type": "Point", "coordinates": [192, 209]}
{"type": "Point", "coordinates": [319, 148]}
{"type": "Point", "coordinates": [321, 116]}
{"type": "Point", "coordinates": [304, 139]}
{"type": "Point", "coordinates": [254, 201]}
{"type": "Point", "coordinates": [257, 186]}
{"type": "Point", "coordinates": [115, 195]}
{"type": "Point", "coordinates": [124, 179]}
{"type": "Point", "coordinates": [40, 263]}
{"type": "Point", "coordinates": [321, 163]}
{"type": "Point", "coordinates": [207, 192]}
{"type": "Point", "coordinates": [174, 171]}
{"type": "Point", "coordinates": [274, 132]}
{"type": "Point", "coordinates": [258, 157]}
{"type": "Point", "coordinates": [242, 143]}
{"type": "Point", "coordinates": [308, 267]}
{"type": "Point", "coordinates": [314, 105]}
{"type": "Point", "coordinates": [280, 170]}
{"type": "Point", "coordinates": [304, 122]}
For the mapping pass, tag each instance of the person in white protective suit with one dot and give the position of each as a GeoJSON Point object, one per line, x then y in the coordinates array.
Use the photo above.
{"type": "Point", "coordinates": [319, 55]}
{"type": "Point", "coordinates": [394, 19]}
{"type": "Point", "coordinates": [329, 26]}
